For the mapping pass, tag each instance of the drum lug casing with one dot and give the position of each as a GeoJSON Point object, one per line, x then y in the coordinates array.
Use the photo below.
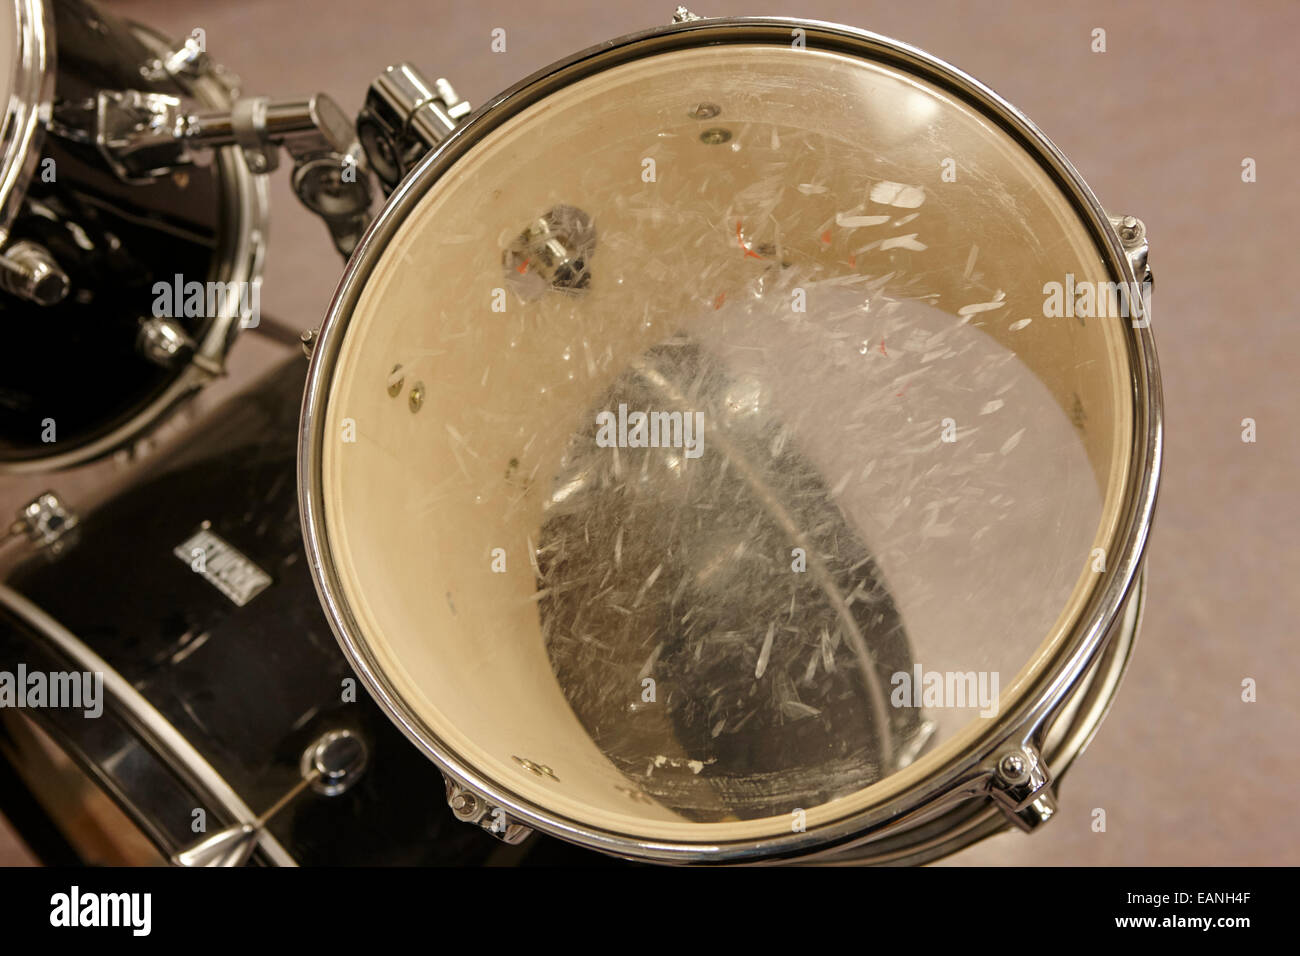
{"type": "Point", "coordinates": [1132, 233]}
{"type": "Point", "coordinates": [46, 522]}
{"type": "Point", "coordinates": [469, 807]}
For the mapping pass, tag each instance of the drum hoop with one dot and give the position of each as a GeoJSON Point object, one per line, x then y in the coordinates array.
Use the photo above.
{"type": "Point", "coordinates": [28, 108]}
{"type": "Point", "coordinates": [240, 259]}
{"type": "Point", "coordinates": [1068, 662]}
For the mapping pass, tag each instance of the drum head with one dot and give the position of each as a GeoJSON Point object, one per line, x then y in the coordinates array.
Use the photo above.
{"type": "Point", "coordinates": [694, 407]}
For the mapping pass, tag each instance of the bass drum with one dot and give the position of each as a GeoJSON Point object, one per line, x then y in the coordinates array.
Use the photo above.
{"type": "Point", "coordinates": [215, 681]}
{"type": "Point", "coordinates": [89, 361]}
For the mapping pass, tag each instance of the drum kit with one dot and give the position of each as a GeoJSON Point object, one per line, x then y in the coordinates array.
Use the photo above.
{"type": "Point", "coordinates": [690, 467]}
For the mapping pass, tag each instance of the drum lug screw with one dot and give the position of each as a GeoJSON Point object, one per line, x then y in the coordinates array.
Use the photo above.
{"type": "Point", "coordinates": [309, 342]}
{"type": "Point", "coordinates": [468, 807]}
{"type": "Point", "coordinates": [1021, 786]}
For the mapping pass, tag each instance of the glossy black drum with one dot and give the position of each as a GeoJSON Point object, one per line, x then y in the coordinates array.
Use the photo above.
{"type": "Point", "coordinates": [92, 352]}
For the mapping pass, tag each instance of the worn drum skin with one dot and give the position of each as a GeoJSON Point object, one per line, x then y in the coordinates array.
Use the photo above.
{"type": "Point", "coordinates": [74, 380]}
{"type": "Point", "coordinates": [245, 689]}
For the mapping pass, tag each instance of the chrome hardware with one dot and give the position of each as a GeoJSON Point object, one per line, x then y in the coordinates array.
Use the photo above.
{"type": "Point", "coordinates": [682, 15]}
{"type": "Point", "coordinates": [29, 271]}
{"type": "Point", "coordinates": [334, 762]}
{"type": "Point", "coordinates": [552, 252]}
{"type": "Point", "coordinates": [189, 59]}
{"type": "Point", "coordinates": [44, 521]}
{"type": "Point", "coordinates": [468, 807]}
{"type": "Point", "coordinates": [189, 62]}
{"type": "Point", "coordinates": [405, 116]}
{"type": "Point", "coordinates": [144, 136]}
{"type": "Point", "coordinates": [330, 766]}
{"type": "Point", "coordinates": [1021, 787]}
{"type": "Point", "coordinates": [163, 341]}
{"type": "Point", "coordinates": [139, 134]}
{"type": "Point", "coordinates": [1132, 234]}
{"type": "Point", "coordinates": [308, 340]}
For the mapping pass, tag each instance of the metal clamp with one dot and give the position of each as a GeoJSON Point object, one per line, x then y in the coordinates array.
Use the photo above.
{"type": "Point", "coordinates": [468, 807]}
{"type": "Point", "coordinates": [404, 117]}
{"type": "Point", "coordinates": [144, 136]}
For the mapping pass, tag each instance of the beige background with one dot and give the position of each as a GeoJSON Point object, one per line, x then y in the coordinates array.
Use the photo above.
{"type": "Point", "coordinates": [1158, 125]}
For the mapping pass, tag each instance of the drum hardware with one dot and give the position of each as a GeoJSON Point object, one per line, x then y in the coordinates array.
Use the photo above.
{"type": "Point", "coordinates": [44, 521]}
{"type": "Point", "coordinates": [329, 766]}
{"type": "Point", "coordinates": [28, 270]}
{"type": "Point", "coordinates": [145, 136]}
{"type": "Point", "coordinates": [1132, 234]}
{"type": "Point", "coordinates": [404, 117]}
{"type": "Point", "coordinates": [469, 807]}
{"type": "Point", "coordinates": [1022, 788]}
{"type": "Point", "coordinates": [188, 60]}
{"type": "Point", "coordinates": [553, 252]}
{"type": "Point", "coordinates": [163, 340]}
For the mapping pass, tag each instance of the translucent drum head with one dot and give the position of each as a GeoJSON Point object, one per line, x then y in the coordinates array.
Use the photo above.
{"type": "Point", "coordinates": [698, 407]}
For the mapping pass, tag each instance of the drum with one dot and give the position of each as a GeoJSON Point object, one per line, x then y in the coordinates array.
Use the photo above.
{"type": "Point", "coordinates": [102, 331]}
{"type": "Point", "coordinates": [738, 443]}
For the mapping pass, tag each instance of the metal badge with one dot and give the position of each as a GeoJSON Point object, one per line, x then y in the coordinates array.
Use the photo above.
{"type": "Point", "coordinates": [222, 565]}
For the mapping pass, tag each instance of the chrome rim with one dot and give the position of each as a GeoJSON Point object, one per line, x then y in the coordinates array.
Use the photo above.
{"type": "Point", "coordinates": [28, 106]}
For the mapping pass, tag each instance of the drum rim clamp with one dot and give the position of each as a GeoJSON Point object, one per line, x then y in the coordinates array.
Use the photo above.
{"type": "Point", "coordinates": [144, 136]}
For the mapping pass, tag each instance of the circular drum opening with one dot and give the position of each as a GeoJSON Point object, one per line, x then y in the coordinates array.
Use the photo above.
{"type": "Point", "coordinates": [701, 413]}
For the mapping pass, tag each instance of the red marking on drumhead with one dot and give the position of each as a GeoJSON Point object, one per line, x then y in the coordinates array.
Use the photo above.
{"type": "Point", "coordinates": [740, 241]}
